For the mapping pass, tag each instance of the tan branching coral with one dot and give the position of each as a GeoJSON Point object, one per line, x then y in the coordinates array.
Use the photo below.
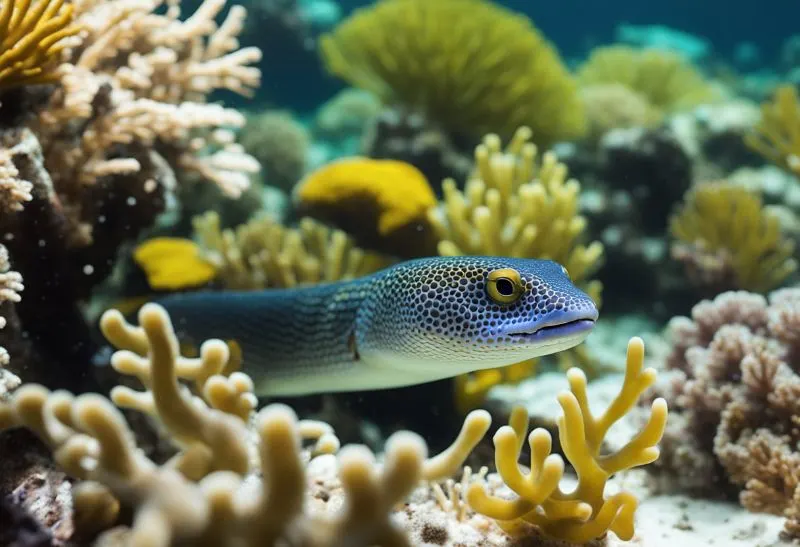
{"type": "Point", "coordinates": [584, 513]}
{"type": "Point", "coordinates": [203, 496]}
{"type": "Point", "coordinates": [32, 34]}
{"type": "Point", "coordinates": [777, 135]}
{"type": "Point", "coordinates": [518, 205]}
{"type": "Point", "coordinates": [263, 253]}
{"type": "Point", "coordinates": [134, 84]}
{"type": "Point", "coordinates": [737, 401]}
{"type": "Point", "coordinates": [729, 240]}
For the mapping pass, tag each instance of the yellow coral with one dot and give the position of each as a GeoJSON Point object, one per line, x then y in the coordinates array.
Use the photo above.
{"type": "Point", "coordinates": [664, 79]}
{"type": "Point", "coordinates": [777, 135]}
{"type": "Point", "coordinates": [725, 223]}
{"type": "Point", "coordinates": [584, 513]}
{"type": "Point", "coordinates": [263, 253]}
{"type": "Point", "coordinates": [382, 202]}
{"type": "Point", "coordinates": [471, 65]}
{"type": "Point", "coordinates": [172, 263]}
{"type": "Point", "coordinates": [514, 205]}
{"type": "Point", "coordinates": [31, 38]}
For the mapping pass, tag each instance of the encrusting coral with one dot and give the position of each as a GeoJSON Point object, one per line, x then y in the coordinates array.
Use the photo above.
{"type": "Point", "coordinates": [735, 394]}
{"type": "Point", "coordinates": [728, 240]}
{"type": "Point", "coordinates": [470, 65]}
{"type": "Point", "coordinates": [32, 34]}
{"type": "Point", "coordinates": [262, 253]}
{"type": "Point", "coordinates": [244, 478]}
{"type": "Point", "coordinates": [665, 80]}
{"type": "Point", "coordinates": [777, 135]}
{"type": "Point", "coordinates": [383, 204]}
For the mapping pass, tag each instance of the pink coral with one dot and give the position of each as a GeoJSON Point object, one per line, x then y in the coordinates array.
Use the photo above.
{"type": "Point", "coordinates": [737, 401]}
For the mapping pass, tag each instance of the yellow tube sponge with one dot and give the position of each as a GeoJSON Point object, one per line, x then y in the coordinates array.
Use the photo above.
{"type": "Point", "coordinates": [31, 39]}
{"type": "Point", "coordinates": [584, 513]}
{"type": "Point", "coordinates": [263, 253]}
{"type": "Point", "coordinates": [664, 79]}
{"type": "Point", "coordinates": [383, 203]}
{"type": "Point", "coordinates": [729, 240]}
{"type": "Point", "coordinates": [777, 135]}
{"type": "Point", "coordinates": [470, 65]}
{"type": "Point", "coordinates": [517, 205]}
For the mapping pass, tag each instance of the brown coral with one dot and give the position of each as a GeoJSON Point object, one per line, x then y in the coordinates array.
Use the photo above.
{"type": "Point", "coordinates": [737, 401]}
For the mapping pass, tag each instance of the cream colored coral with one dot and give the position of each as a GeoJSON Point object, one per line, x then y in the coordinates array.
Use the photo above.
{"type": "Point", "coordinates": [204, 496]}
{"type": "Point", "coordinates": [514, 205]}
{"type": "Point", "coordinates": [263, 253]}
{"type": "Point", "coordinates": [136, 81]}
{"type": "Point", "coordinates": [584, 513]}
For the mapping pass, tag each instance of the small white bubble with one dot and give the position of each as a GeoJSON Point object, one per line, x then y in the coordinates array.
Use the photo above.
{"type": "Point", "coordinates": [88, 269]}
{"type": "Point", "coordinates": [101, 219]}
{"type": "Point", "coordinates": [131, 201]}
{"type": "Point", "coordinates": [42, 243]}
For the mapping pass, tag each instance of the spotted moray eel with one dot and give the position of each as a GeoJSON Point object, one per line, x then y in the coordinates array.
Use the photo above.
{"type": "Point", "coordinates": [414, 322]}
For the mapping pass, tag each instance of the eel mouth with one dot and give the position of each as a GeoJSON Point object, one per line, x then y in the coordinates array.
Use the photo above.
{"type": "Point", "coordinates": [553, 329]}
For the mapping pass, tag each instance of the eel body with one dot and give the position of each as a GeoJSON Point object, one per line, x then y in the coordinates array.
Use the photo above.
{"type": "Point", "coordinates": [414, 322]}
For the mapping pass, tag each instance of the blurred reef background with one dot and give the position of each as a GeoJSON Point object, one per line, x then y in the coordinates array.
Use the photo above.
{"type": "Point", "coordinates": [152, 147]}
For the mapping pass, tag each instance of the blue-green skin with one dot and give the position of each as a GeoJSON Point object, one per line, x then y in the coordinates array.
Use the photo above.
{"type": "Point", "coordinates": [414, 322]}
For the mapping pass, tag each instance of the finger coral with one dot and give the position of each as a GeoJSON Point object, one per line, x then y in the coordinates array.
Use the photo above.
{"type": "Point", "coordinates": [584, 513]}
{"type": "Point", "coordinates": [735, 394]}
{"type": "Point", "coordinates": [663, 79]}
{"type": "Point", "coordinates": [383, 203]}
{"type": "Point", "coordinates": [777, 134]}
{"type": "Point", "coordinates": [230, 483]}
{"type": "Point", "coordinates": [32, 36]}
{"type": "Point", "coordinates": [470, 65]}
{"type": "Point", "coordinates": [515, 204]}
{"type": "Point", "coordinates": [728, 240]}
{"type": "Point", "coordinates": [263, 253]}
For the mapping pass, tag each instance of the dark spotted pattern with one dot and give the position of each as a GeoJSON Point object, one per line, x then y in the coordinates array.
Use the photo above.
{"type": "Point", "coordinates": [439, 307]}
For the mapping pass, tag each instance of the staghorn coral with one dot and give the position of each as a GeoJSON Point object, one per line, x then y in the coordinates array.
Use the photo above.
{"type": "Point", "coordinates": [584, 513]}
{"type": "Point", "coordinates": [777, 135]}
{"type": "Point", "coordinates": [134, 84]}
{"type": "Point", "coordinates": [728, 240]}
{"type": "Point", "coordinates": [470, 65]}
{"type": "Point", "coordinates": [32, 36]}
{"type": "Point", "coordinates": [665, 80]}
{"type": "Point", "coordinates": [735, 391]}
{"type": "Point", "coordinates": [383, 204]}
{"type": "Point", "coordinates": [263, 253]}
{"type": "Point", "coordinates": [280, 144]}
{"type": "Point", "coordinates": [514, 205]}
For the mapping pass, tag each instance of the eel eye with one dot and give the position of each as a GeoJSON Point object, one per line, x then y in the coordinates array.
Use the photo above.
{"type": "Point", "coordinates": [504, 286]}
{"type": "Point", "coordinates": [565, 272]}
